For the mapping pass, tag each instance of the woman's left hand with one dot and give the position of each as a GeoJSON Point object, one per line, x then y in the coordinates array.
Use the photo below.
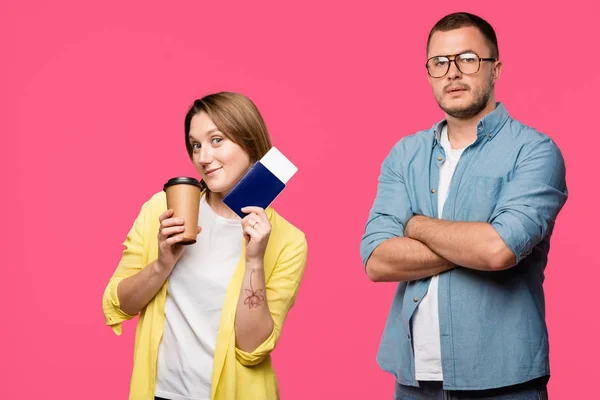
{"type": "Point", "coordinates": [257, 230]}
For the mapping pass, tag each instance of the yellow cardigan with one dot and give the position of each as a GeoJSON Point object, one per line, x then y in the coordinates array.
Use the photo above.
{"type": "Point", "coordinates": [237, 375]}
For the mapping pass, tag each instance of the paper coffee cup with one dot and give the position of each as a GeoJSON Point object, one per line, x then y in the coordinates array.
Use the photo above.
{"type": "Point", "coordinates": [183, 196]}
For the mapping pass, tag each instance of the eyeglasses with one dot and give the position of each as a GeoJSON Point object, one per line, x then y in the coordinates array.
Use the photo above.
{"type": "Point", "coordinates": [467, 63]}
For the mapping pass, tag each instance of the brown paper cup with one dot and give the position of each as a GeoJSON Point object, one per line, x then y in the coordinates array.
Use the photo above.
{"type": "Point", "coordinates": [183, 196]}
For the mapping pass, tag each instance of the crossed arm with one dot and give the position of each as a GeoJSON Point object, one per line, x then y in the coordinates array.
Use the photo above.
{"type": "Point", "coordinates": [400, 246]}
{"type": "Point", "coordinates": [431, 246]}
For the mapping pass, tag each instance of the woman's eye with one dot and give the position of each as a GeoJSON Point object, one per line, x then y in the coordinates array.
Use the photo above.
{"type": "Point", "coordinates": [195, 146]}
{"type": "Point", "coordinates": [217, 140]}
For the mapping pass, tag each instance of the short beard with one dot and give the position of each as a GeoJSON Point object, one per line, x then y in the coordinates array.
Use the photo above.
{"type": "Point", "coordinates": [482, 97]}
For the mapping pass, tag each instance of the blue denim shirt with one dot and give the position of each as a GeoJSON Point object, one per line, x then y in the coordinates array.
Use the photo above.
{"type": "Point", "coordinates": [492, 324]}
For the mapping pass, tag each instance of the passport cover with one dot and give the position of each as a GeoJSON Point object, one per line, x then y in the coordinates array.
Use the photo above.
{"type": "Point", "coordinates": [263, 182]}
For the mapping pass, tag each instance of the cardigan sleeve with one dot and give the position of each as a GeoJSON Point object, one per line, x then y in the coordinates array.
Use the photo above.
{"type": "Point", "coordinates": [132, 261]}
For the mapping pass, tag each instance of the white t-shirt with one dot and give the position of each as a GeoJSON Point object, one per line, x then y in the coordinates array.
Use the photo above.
{"type": "Point", "coordinates": [425, 320]}
{"type": "Point", "coordinates": [195, 296]}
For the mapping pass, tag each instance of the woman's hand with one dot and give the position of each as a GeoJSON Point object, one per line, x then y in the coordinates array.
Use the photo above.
{"type": "Point", "coordinates": [257, 230]}
{"type": "Point", "coordinates": [170, 234]}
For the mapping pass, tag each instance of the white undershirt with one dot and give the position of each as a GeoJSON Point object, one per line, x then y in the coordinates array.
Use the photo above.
{"type": "Point", "coordinates": [195, 296]}
{"type": "Point", "coordinates": [425, 321]}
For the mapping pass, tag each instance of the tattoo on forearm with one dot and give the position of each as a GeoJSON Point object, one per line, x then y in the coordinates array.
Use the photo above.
{"type": "Point", "coordinates": [254, 298]}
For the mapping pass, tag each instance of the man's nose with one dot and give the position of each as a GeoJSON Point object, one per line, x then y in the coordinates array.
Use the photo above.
{"type": "Point", "coordinates": [454, 72]}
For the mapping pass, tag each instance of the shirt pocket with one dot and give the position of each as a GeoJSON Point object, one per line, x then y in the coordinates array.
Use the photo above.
{"type": "Point", "coordinates": [479, 198]}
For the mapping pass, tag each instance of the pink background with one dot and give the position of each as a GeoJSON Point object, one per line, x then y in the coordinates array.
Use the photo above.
{"type": "Point", "coordinates": [92, 107]}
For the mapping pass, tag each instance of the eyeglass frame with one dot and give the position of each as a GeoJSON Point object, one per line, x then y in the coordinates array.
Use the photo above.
{"type": "Point", "coordinates": [453, 60]}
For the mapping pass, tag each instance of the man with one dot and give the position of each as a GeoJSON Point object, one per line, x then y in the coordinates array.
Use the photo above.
{"type": "Point", "coordinates": [462, 220]}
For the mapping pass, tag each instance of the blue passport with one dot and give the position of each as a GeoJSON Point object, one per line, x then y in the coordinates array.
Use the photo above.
{"type": "Point", "coordinates": [263, 182]}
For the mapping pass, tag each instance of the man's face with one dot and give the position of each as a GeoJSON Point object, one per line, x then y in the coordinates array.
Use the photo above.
{"type": "Point", "coordinates": [463, 95]}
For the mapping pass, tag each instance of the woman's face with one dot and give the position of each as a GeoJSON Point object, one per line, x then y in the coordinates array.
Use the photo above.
{"type": "Point", "coordinates": [220, 162]}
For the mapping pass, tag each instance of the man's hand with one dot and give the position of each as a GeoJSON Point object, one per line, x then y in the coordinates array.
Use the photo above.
{"type": "Point", "coordinates": [412, 225]}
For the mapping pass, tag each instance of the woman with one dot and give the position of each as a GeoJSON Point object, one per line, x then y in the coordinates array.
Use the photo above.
{"type": "Point", "coordinates": [209, 313]}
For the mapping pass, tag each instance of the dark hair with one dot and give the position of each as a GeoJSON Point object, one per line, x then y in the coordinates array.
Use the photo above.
{"type": "Point", "coordinates": [236, 116]}
{"type": "Point", "coordinates": [462, 20]}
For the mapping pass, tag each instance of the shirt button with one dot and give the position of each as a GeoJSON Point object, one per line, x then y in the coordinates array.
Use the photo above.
{"type": "Point", "coordinates": [439, 158]}
{"type": "Point", "coordinates": [432, 190]}
{"type": "Point", "coordinates": [416, 299]}
{"type": "Point", "coordinates": [408, 335]}
{"type": "Point", "coordinates": [490, 135]}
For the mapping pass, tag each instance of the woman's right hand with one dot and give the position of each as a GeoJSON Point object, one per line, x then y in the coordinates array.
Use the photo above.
{"type": "Point", "coordinates": [170, 234]}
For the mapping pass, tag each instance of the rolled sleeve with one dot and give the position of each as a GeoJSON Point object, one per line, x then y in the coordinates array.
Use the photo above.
{"type": "Point", "coordinates": [261, 352]}
{"type": "Point", "coordinates": [391, 209]}
{"type": "Point", "coordinates": [281, 290]}
{"type": "Point", "coordinates": [531, 200]}
{"type": "Point", "coordinates": [113, 314]}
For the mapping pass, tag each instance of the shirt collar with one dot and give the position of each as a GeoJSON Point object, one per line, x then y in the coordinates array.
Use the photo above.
{"type": "Point", "coordinates": [487, 127]}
